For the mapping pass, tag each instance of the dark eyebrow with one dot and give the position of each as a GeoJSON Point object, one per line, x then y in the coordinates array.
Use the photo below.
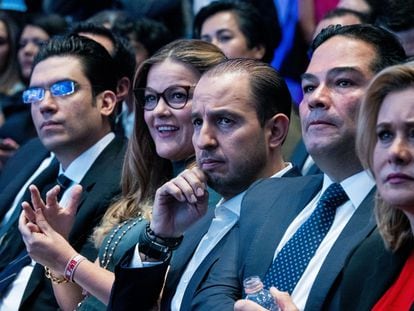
{"type": "Point", "coordinates": [341, 70]}
{"type": "Point", "coordinates": [221, 30]}
{"type": "Point", "coordinates": [307, 76]}
{"type": "Point", "coordinates": [195, 115]}
{"type": "Point", "coordinates": [332, 72]}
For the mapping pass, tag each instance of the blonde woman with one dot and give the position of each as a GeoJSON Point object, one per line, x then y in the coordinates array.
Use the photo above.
{"type": "Point", "coordinates": [378, 277]}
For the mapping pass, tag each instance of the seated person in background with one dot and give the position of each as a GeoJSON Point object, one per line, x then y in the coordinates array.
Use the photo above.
{"type": "Point", "coordinates": [110, 17]}
{"type": "Point", "coordinates": [397, 16]}
{"type": "Point", "coordinates": [146, 37]}
{"type": "Point", "coordinates": [18, 126]}
{"type": "Point", "coordinates": [239, 30]}
{"type": "Point", "coordinates": [72, 97]}
{"type": "Point", "coordinates": [341, 16]}
{"type": "Point", "coordinates": [10, 84]}
{"type": "Point", "coordinates": [377, 277]}
{"type": "Point", "coordinates": [159, 149]}
{"type": "Point", "coordinates": [123, 55]}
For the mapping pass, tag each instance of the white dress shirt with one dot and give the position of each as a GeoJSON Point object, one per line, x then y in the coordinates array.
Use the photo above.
{"type": "Point", "coordinates": [357, 188]}
{"type": "Point", "coordinates": [226, 215]}
{"type": "Point", "coordinates": [75, 171]}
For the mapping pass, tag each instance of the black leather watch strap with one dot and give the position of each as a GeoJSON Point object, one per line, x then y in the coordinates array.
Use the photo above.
{"type": "Point", "coordinates": [157, 247]}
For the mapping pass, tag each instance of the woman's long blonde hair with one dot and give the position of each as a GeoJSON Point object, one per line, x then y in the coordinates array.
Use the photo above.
{"type": "Point", "coordinates": [393, 224]}
{"type": "Point", "coordinates": [143, 170]}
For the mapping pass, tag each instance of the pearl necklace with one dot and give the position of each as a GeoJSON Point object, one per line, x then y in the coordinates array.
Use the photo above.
{"type": "Point", "coordinates": [109, 250]}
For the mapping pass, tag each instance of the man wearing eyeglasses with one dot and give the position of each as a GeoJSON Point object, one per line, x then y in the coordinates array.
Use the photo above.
{"type": "Point", "coordinates": [72, 97]}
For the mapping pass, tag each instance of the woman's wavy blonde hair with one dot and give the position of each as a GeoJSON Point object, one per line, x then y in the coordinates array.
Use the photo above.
{"type": "Point", "coordinates": [392, 223]}
{"type": "Point", "coordinates": [143, 170]}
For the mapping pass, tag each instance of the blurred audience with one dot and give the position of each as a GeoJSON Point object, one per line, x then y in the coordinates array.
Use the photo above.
{"type": "Point", "coordinates": [145, 35]}
{"type": "Point", "coordinates": [237, 29]}
{"type": "Point", "coordinates": [123, 55]}
{"type": "Point", "coordinates": [10, 83]}
{"type": "Point", "coordinates": [18, 125]}
{"type": "Point", "coordinates": [398, 17]}
{"type": "Point", "coordinates": [341, 16]}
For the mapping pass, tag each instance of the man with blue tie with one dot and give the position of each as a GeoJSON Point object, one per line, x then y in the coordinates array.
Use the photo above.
{"type": "Point", "coordinates": [294, 235]}
{"type": "Point", "coordinates": [72, 98]}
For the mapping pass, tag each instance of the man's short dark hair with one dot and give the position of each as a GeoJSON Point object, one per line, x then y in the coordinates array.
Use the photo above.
{"type": "Point", "coordinates": [123, 53]}
{"type": "Point", "coordinates": [269, 92]}
{"type": "Point", "coordinates": [97, 64]}
{"type": "Point", "coordinates": [150, 33]}
{"type": "Point", "coordinates": [339, 12]}
{"type": "Point", "coordinates": [388, 47]}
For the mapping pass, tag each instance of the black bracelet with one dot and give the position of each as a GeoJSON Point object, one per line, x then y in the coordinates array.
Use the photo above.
{"type": "Point", "coordinates": [157, 247]}
{"type": "Point", "coordinates": [171, 243]}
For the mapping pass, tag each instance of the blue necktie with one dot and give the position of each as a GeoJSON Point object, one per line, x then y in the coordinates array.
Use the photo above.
{"type": "Point", "coordinates": [293, 258]}
{"type": "Point", "coordinates": [64, 183]}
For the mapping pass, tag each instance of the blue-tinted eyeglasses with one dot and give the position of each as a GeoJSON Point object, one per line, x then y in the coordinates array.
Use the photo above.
{"type": "Point", "coordinates": [57, 89]}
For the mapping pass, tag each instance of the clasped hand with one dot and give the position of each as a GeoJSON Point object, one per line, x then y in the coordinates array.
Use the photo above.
{"type": "Point", "coordinates": [45, 226]}
{"type": "Point", "coordinates": [179, 203]}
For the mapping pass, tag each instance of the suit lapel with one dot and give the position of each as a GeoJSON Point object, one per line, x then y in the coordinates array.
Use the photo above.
{"type": "Point", "coordinates": [8, 194]}
{"type": "Point", "coordinates": [183, 254]}
{"type": "Point", "coordinates": [286, 205]}
{"type": "Point", "coordinates": [104, 160]}
{"type": "Point", "coordinates": [96, 174]}
{"type": "Point", "coordinates": [361, 224]}
{"type": "Point", "coordinates": [81, 229]}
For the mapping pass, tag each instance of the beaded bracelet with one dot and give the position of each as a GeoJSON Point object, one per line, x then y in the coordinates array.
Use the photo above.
{"type": "Point", "coordinates": [171, 243]}
{"type": "Point", "coordinates": [53, 278]}
{"type": "Point", "coordinates": [72, 265]}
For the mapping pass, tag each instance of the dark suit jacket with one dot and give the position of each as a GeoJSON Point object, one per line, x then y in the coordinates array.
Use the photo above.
{"type": "Point", "coordinates": [370, 271]}
{"type": "Point", "coordinates": [263, 223]}
{"type": "Point", "coordinates": [100, 185]}
{"type": "Point", "coordinates": [18, 170]}
{"type": "Point", "coordinates": [124, 287]}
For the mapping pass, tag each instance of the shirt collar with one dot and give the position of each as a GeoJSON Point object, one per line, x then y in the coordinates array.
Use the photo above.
{"type": "Point", "coordinates": [284, 170]}
{"type": "Point", "coordinates": [356, 186]}
{"type": "Point", "coordinates": [78, 168]}
{"type": "Point", "coordinates": [233, 205]}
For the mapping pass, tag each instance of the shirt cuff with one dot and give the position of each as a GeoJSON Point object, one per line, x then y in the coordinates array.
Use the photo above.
{"type": "Point", "coordinates": [136, 261]}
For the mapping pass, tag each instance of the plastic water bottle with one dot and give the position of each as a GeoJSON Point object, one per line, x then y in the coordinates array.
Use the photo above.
{"type": "Point", "coordinates": [253, 287]}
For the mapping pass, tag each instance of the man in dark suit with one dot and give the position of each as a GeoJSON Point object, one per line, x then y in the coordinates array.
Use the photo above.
{"type": "Point", "coordinates": [239, 127]}
{"type": "Point", "coordinates": [72, 97]}
{"type": "Point", "coordinates": [278, 215]}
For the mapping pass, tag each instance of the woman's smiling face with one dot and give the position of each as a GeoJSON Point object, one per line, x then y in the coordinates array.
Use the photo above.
{"type": "Point", "coordinates": [171, 129]}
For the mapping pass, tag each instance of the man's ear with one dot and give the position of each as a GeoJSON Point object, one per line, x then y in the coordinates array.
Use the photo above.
{"type": "Point", "coordinates": [258, 52]}
{"type": "Point", "coordinates": [122, 88]}
{"type": "Point", "coordinates": [108, 101]}
{"type": "Point", "coordinates": [277, 128]}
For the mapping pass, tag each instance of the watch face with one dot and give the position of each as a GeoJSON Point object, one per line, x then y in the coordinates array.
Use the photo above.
{"type": "Point", "coordinates": [152, 252]}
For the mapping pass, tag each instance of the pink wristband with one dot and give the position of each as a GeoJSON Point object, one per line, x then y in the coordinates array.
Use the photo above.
{"type": "Point", "coordinates": [72, 265]}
